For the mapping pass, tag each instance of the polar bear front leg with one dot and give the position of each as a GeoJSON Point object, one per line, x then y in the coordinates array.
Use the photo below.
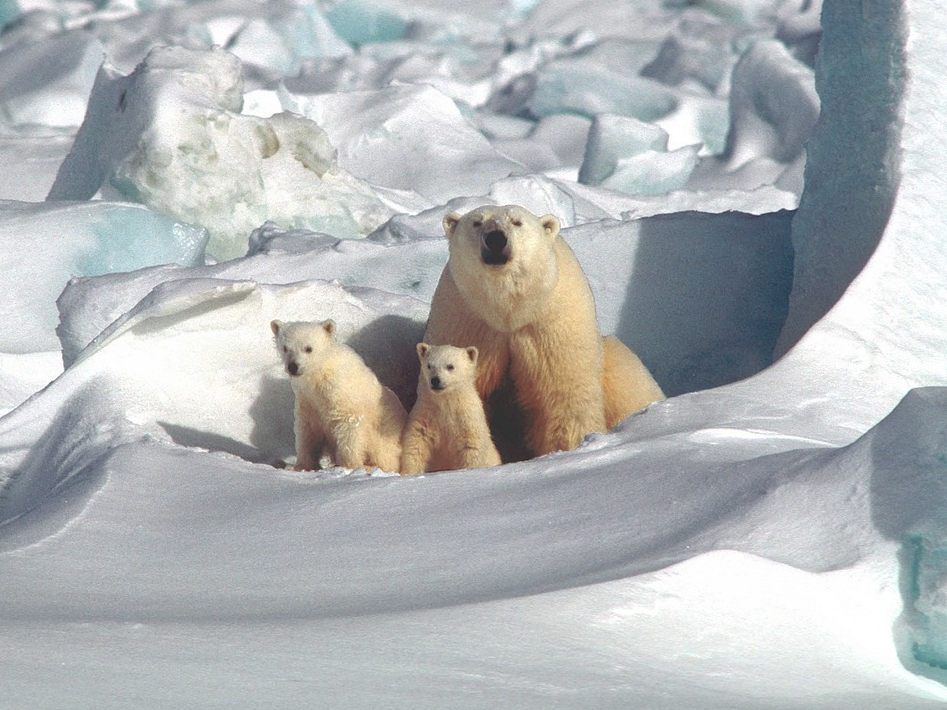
{"type": "Point", "coordinates": [558, 383]}
{"type": "Point", "coordinates": [417, 445]}
{"type": "Point", "coordinates": [309, 438]}
{"type": "Point", "coordinates": [350, 444]}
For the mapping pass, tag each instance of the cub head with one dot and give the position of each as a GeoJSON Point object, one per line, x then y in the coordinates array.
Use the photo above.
{"type": "Point", "coordinates": [444, 367]}
{"type": "Point", "coordinates": [500, 236]}
{"type": "Point", "coordinates": [300, 344]}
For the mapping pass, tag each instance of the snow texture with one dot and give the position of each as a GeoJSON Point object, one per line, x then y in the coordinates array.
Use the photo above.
{"type": "Point", "coordinates": [772, 535]}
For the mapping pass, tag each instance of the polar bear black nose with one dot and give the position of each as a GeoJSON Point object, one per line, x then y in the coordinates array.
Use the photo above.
{"type": "Point", "coordinates": [436, 383]}
{"type": "Point", "coordinates": [292, 368]}
{"type": "Point", "coordinates": [495, 240]}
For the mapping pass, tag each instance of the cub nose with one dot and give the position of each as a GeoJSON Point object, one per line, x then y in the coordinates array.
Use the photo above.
{"type": "Point", "coordinates": [292, 368]}
{"type": "Point", "coordinates": [436, 382]}
{"type": "Point", "coordinates": [495, 240]}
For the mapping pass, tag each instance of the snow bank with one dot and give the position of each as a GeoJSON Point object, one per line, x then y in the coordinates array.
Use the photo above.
{"type": "Point", "coordinates": [171, 136]}
{"type": "Point", "coordinates": [139, 378]}
{"type": "Point", "coordinates": [695, 328]}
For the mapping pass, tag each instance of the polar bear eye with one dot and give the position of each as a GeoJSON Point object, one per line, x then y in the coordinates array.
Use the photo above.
{"type": "Point", "coordinates": [450, 368]}
{"type": "Point", "coordinates": [285, 349]}
{"type": "Point", "coordinates": [477, 223]}
{"type": "Point", "coordinates": [308, 348]}
{"type": "Point", "coordinates": [517, 223]}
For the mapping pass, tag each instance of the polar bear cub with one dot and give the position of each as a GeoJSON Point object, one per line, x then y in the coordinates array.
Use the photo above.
{"type": "Point", "coordinates": [447, 427]}
{"type": "Point", "coordinates": [342, 410]}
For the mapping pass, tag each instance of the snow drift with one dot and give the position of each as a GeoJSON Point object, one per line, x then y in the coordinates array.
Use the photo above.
{"type": "Point", "coordinates": [149, 539]}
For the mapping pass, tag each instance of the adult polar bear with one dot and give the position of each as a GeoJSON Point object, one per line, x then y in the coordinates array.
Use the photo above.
{"type": "Point", "coordinates": [513, 289]}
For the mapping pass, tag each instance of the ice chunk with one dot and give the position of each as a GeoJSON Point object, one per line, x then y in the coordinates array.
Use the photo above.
{"type": "Point", "coordinates": [928, 596]}
{"type": "Point", "coordinates": [48, 81]}
{"type": "Point", "coordinates": [360, 22]}
{"type": "Point", "coordinates": [578, 85]}
{"type": "Point", "coordinates": [800, 28]}
{"type": "Point", "coordinates": [631, 156]}
{"type": "Point", "coordinates": [773, 105]}
{"type": "Point", "coordinates": [33, 154]}
{"type": "Point", "coordinates": [699, 50]}
{"type": "Point", "coordinates": [271, 38]}
{"type": "Point", "coordinates": [170, 135]}
{"type": "Point", "coordinates": [773, 111]}
{"type": "Point", "coordinates": [45, 245]}
{"type": "Point", "coordinates": [407, 138]}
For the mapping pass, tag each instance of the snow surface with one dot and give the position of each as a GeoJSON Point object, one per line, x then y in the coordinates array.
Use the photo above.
{"type": "Point", "coordinates": [773, 535]}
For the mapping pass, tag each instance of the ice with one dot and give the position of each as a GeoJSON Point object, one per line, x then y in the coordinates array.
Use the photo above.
{"type": "Point", "coordinates": [47, 82]}
{"type": "Point", "coordinates": [171, 136]}
{"type": "Point", "coordinates": [773, 110]}
{"type": "Point", "coordinates": [577, 85]}
{"type": "Point", "coordinates": [362, 22]}
{"type": "Point", "coordinates": [928, 597]}
{"type": "Point", "coordinates": [631, 156]}
{"type": "Point", "coordinates": [45, 245]}
{"type": "Point", "coordinates": [699, 50]}
{"type": "Point", "coordinates": [406, 138]}
{"type": "Point", "coordinates": [33, 155]}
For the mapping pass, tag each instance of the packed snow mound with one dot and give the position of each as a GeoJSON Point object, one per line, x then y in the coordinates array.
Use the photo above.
{"type": "Point", "coordinates": [170, 135]}
{"type": "Point", "coordinates": [53, 243]}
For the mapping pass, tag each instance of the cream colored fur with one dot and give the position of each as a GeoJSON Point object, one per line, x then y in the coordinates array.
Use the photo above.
{"type": "Point", "coordinates": [447, 428]}
{"type": "Point", "coordinates": [341, 410]}
{"type": "Point", "coordinates": [533, 321]}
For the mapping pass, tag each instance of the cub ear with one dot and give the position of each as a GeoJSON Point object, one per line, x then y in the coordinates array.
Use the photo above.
{"type": "Point", "coordinates": [450, 223]}
{"type": "Point", "coordinates": [473, 354]}
{"type": "Point", "coordinates": [329, 327]}
{"type": "Point", "coordinates": [550, 224]}
{"type": "Point", "coordinates": [275, 326]}
{"type": "Point", "coordinates": [423, 349]}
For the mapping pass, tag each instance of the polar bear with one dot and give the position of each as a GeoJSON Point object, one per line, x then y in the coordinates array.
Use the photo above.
{"type": "Point", "coordinates": [342, 410]}
{"type": "Point", "coordinates": [513, 288]}
{"type": "Point", "coordinates": [447, 427]}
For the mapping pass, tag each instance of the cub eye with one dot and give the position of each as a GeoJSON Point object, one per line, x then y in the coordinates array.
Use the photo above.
{"type": "Point", "coordinates": [517, 223]}
{"type": "Point", "coordinates": [308, 348]}
{"type": "Point", "coordinates": [450, 368]}
{"type": "Point", "coordinates": [285, 349]}
{"type": "Point", "coordinates": [477, 223]}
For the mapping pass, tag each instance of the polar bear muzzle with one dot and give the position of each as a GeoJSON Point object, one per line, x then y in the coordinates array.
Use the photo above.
{"type": "Point", "coordinates": [494, 247]}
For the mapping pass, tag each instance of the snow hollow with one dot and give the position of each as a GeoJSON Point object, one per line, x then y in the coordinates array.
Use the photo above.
{"type": "Point", "coordinates": [753, 189]}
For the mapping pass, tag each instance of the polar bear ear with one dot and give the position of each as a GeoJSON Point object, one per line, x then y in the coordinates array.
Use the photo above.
{"type": "Point", "coordinates": [275, 326]}
{"type": "Point", "coordinates": [550, 224]}
{"type": "Point", "coordinates": [473, 354]}
{"type": "Point", "coordinates": [329, 327]}
{"type": "Point", "coordinates": [423, 350]}
{"type": "Point", "coordinates": [450, 223]}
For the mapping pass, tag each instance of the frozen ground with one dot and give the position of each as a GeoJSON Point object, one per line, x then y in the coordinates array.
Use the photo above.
{"type": "Point", "coordinates": [763, 226]}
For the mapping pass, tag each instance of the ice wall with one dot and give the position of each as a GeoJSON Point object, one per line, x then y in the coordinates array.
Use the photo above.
{"type": "Point", "coordinates": [857, 152]}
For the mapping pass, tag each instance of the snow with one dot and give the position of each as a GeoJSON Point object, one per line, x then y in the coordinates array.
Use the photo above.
{"type": "Point", "coordinates": [772, 535]}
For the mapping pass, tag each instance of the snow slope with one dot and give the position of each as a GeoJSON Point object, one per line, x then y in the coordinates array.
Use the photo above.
{"type": "Point", "coordinates": [772, 536]}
